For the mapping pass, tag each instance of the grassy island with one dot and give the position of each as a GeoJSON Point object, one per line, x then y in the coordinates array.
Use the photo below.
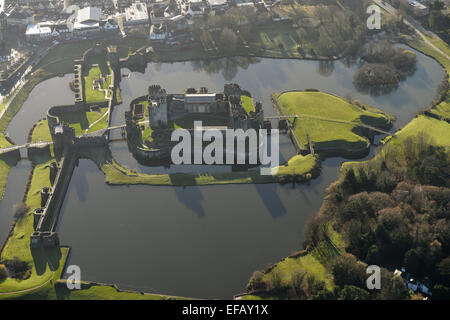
{"type": "Point", "coordinates": [330, 122]}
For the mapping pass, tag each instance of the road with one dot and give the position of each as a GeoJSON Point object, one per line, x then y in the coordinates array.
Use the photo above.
{"type": "Point", "coordinates": [413, 24]}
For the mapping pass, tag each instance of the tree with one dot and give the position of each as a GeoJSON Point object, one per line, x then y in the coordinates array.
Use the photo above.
{"type": "Point", "coordinates": [228, 40]}
{"type": "Point", "coordinates": [347, 270]}
{"type": "Point", "coordinates": [350, 184]}
{"type": "Point", "coordinates": [413, 261]}
{"type": "Point", "coordinates": [444, 270]}
{"type": "Point", "coordinates": [353, 293]}
{"type": "Point", "coordinates": [373, 255]}
{"type": "Point", "coordinates": [274, 282]}
{"type": "Point", "coordinates": [256, 282]}
{"type": "Point", "coordinates": [19, 210]}
{"type": "Point", "coordinates": [3, 272]}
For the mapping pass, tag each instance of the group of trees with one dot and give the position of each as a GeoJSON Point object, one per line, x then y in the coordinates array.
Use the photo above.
{"type": "Point", "coordinates": [386, 65]}
{"type": "Point", "coordinates": [299, 285]}
{"type": "Point", "coordinates": [18, 269]}
{"type": "Point", "coordinates": [393, 212]}
{"type": "Point", "coordinates": [224, 31]}
{"type": "Point", "coordinates": [439, 21]}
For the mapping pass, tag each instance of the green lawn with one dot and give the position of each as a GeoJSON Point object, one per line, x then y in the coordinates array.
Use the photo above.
{"type": "Point", "coordinates": [316, 109]}
{"type": "Point", "coordinates": [81, 121]}
{"type": "Point", "coordinates": [3, 142]}
{"type": "Point", "coordinates": [116, 174]}
{"type": "Point", "coordinates": [315, 262]}
{"type": "Point", "coordinates": [41, 132]}
{"type": "Point", "coordinates": [94, 73]}
{"type": "Point", "coordinates": [437, 130]}
{"type": "Point", "coordinates": [43, 262]}
{"type": "Point", "coordinates": [6, 162]}
{"type": "Point", "coordinates": [297, 165]}
{"type": "Point", "coordinates": [247, 103]}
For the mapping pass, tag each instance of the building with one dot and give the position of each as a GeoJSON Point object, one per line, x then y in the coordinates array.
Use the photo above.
{"type": "Point", "coordinates": [163, 107]}
{"type": "Point", "coordinates": [38, 32]}
{"type": "Point", "coordinates": [137, 14]}
{"type": "Point", "coordinates": [157, 106]}
{"type": "Point", "coordinates": [158, 32]}
{"type": "Point", "coordinates": [418, 8]}
{"type": "Point", "coordinates": [19, 16]}
{"type": "Point", "coordinates": [218, 4]}
{"type": "Point", "coordinates": [87, 19]}
{"type": "Point", "coordinates": [411, 283]}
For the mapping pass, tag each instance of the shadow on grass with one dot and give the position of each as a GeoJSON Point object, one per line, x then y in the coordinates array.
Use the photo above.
{"type": "Point", "coordinates": [75, 118]}
{"type": "Point", "coordinates": [46, 256]}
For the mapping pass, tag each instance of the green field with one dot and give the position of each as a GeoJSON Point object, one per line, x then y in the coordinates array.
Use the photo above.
{"type": "Point", "coordinates": [81, 121]}
{"type": "Point", "coordinates": [247, 103]}
{"type": "Point", "coordinates": [314, 262]}
{"type": "Point", "coordinates": [116, 174]}
{"type": "Point", "coordinates": [329, 121]}
{"type": "Point", "coordinates": [41, 132]}
{"type": "Point", "coordinates": [94, 95]}
{"type": "Point", "coordinates": [6, 162]}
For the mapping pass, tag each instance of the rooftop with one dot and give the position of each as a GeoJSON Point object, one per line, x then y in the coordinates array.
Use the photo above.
{"type": "Point", "coordinates": [137, 12]}
{"type": "Point", "coordinates": [200, 98]}
{"type": "Point", "coordinates": [88, 14]}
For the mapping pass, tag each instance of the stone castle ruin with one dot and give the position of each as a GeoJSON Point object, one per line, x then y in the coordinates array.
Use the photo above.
{"type": "Point", "coordinates": [164, 109]}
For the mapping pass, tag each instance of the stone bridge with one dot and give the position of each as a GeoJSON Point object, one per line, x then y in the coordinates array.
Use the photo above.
{"type": "Point", "coordinates": [39, 144]}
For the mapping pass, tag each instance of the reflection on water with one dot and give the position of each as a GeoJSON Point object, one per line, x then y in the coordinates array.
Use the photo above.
{"type": "Point", "coordinates": [195, 241]}
{"type": "Point", "coordinates": [264, 76]}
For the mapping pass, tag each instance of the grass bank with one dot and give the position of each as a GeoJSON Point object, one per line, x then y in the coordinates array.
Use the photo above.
{"type": "Point", "coordinates": [329, 121]}
{"type": "Point", "coordinates": [316, 260]}
{"type": "Point", "coordinates": [116, 174]}
{"type": "Point", "coordinates": [47, 264]}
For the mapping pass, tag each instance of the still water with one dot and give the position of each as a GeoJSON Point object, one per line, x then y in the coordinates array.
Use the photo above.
{"type": "Point", "coordinates": [201, 242]}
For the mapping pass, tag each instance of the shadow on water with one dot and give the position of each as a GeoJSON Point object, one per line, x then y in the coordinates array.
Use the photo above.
{"type": "Point", "coordinates": [269, 196]}
{"type": "Point", "coordinates": [191, 198]}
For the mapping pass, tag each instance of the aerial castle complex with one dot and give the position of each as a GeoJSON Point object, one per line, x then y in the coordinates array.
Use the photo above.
{"type": "Point", "coordinates": [225, 110]}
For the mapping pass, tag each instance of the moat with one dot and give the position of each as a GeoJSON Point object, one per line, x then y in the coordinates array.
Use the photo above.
{"type": "Point", "coordinates": [180, 241]}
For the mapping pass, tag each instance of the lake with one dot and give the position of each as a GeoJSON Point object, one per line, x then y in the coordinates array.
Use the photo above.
{"type": "Point", "coordinates": [202, 242]}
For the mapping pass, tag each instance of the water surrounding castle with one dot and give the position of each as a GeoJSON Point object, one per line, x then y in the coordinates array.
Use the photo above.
{"type": "Point", "coordinates": [181, 240]}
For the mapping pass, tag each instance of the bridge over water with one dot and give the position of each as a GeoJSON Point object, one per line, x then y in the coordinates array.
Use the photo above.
{"type": "Point", "coordinates": [39, 144]}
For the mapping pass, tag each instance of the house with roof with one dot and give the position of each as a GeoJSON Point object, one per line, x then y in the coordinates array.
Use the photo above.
{"type": "Point", "coordinates": [158, 32]}
{"type": "Point", "coordinates": [19, 16]}
{"type": "Point", "coordinates": [418, 8]}
{"type": "Point", "coordinates": [137, 14]}
{"type": "Point", "coordinates": [411, 283]}
{"type": "Point", "coordinates": [216, 5]}
{"type": "Point", "coordinates": [38, 32]}
{"type": "Point", "coordinates": [87, 19]}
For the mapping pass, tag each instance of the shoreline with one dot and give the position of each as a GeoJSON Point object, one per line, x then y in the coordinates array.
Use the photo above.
{"type": "Point", "coordinates": [281, 260]}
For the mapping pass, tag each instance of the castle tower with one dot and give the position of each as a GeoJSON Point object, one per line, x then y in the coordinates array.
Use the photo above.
{"type": "Point", "coordinates": [157, 107]}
